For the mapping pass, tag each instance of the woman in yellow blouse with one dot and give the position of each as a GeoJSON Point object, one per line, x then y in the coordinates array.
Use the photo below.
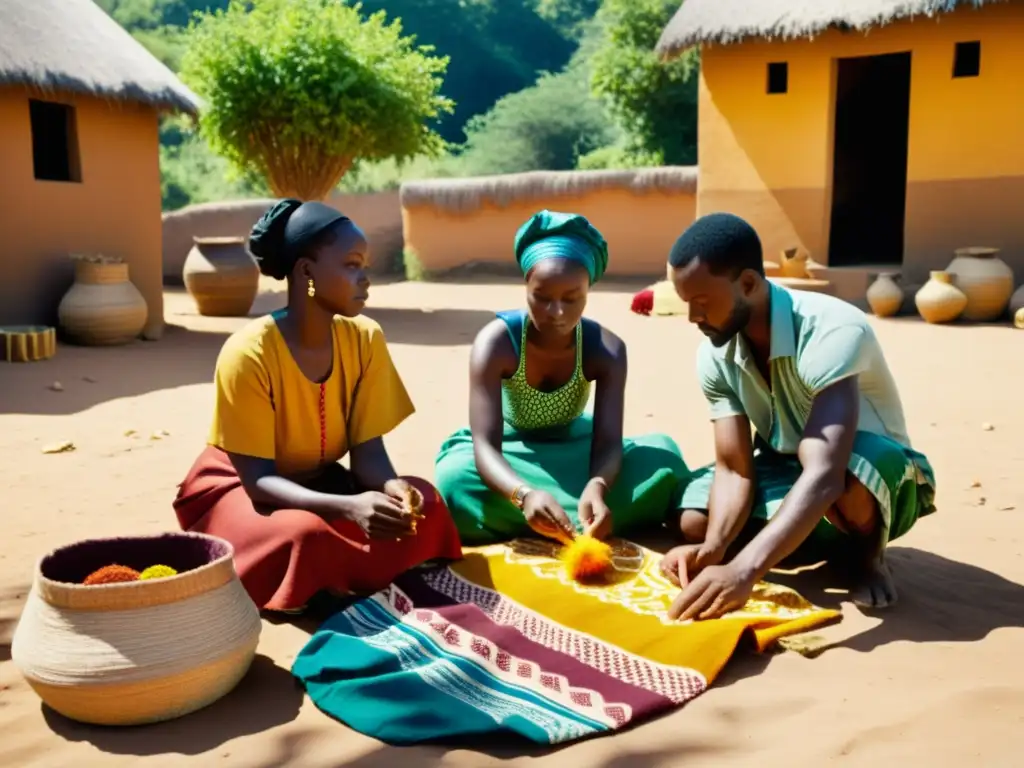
{"type": "Point", "coordinates": [295, 392]}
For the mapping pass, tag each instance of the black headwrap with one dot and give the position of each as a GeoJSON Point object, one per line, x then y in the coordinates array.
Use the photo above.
{"type": "Point", "coordinates": [281, 235]}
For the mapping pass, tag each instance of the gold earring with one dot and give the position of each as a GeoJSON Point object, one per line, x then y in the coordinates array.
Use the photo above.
{"type": "Point", "coordinates": [311, 290]}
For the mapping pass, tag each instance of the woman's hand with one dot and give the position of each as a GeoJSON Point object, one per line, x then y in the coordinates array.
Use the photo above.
{"type": "Point", "coordinates": [594, 512]}
{"type": "Point", "coordinates": [410, 498]}
{"type": "Point", "coordinates": [379, 515]}
{"type": "Point", "coordinates": [546, 516]}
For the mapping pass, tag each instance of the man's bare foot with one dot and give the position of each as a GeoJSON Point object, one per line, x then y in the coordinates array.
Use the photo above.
{"type": "Point", "coordinates": [859, 517]}
{"type": "Point", "coordinates": [876, 587]}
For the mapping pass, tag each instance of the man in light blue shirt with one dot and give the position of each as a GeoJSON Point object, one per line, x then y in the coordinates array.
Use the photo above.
{"type": "Point", "coordinates": [830, 468]}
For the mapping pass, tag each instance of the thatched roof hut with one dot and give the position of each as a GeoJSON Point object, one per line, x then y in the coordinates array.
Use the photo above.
{"type": "Point", "coordinates": [75, 47]}
{"type": "Point", "coordinates": [729, 21]}
{"type": "Point", "coordinates": [849, 128]}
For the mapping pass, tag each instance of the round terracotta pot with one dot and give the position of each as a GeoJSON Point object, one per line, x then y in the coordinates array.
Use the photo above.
{"type": "Point", "coordinates": [103, 307]}
{"type": "Point", "coordinates": [985, 279]}
{"type": "Point", "coordinates": [221, 276]}
{"type": "Point", "coordinates": [939, 301]}
{"type": "Point", "coordinates": [140, 651]}
{"type": "Point", "coordinates": [885, 297]}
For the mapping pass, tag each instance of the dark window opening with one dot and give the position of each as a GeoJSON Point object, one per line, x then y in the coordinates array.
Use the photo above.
{"type": "Point", "coordinates": [778, 77]}
{"type": "Point", "coordinates": [54, 141]}
{"type": "Point", "coordinates": [967, 60]}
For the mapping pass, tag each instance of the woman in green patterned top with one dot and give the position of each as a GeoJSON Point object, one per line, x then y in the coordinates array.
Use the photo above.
{"type": "Point", "coordinates": [532, 457]}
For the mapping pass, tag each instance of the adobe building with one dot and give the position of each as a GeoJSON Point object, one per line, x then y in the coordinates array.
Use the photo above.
{"type": "Point", "coordinates": [80, 101]}
{"type": "Point", "coordinates": [873, 134]}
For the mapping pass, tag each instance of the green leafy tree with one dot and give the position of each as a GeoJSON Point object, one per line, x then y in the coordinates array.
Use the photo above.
{"type": "Point", "coordinates": [296, 91]}
{"type": "Point", "coordinates": [655, 102]}
{"type": "Point", "coordinates": [496, 47]}
{"type": "Point", "coordinates": [549, 126]}
{"type": "Point", "coordinates": [568, 16]}
{"type": "Point", "coordinates": [545, 127]}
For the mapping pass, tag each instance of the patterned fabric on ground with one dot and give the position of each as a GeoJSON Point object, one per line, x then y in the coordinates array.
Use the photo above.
{"type": "Point", "coordinates": [646, 490]}
{"type": "Point", "coordinates": [503, 641]}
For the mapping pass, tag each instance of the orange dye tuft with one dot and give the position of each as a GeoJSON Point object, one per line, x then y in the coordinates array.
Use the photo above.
{"type": "Point", "coordinates": [586, 558]}
{"type": "Point", "coordinates": [111, 574]}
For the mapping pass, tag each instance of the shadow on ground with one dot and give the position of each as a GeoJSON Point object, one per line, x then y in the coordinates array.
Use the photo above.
{"type": "Point", "coordinates": [12, 599]}
{"type": "Point", "coordinates": [430, 327]}
{"type": "Point", "coordinates": [6, 633]}
{"type": "Point", "coordinates": [940, 601]}
{"type": "Point", "coordinates": [93, 375]}
{"type": "Point", "coordinates": [267, 697]}
{"type": "Point", "coordinates": [291, 749]}
{"type": "Point", "coordinates": [1002, 324]}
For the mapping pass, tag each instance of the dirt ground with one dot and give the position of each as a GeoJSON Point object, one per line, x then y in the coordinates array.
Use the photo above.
{"type": "Point", "coordinates": [937, 681]}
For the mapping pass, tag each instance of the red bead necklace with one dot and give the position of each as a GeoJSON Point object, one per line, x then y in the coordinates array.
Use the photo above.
{"type": "Point", "coordinates": [323, 423]}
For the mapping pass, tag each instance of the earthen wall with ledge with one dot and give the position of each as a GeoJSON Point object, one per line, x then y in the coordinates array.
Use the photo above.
{"type": "Point", "coordinates": [452, 224]}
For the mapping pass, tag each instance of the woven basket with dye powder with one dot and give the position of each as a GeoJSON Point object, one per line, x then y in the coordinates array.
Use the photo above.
{"type": "Point", "coordinates": [136, 652]}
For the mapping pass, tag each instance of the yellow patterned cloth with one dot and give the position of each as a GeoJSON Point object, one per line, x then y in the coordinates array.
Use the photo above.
{"type": "Point", "coordinates": [634, 603]}
{"type": "Point", "coordinates": [505, 641]}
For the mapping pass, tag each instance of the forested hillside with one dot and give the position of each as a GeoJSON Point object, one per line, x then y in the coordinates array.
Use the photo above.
{"type": "Point", "coordinates": [521, 74]}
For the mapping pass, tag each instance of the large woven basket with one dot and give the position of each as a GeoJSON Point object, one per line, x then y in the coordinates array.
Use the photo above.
{"type": "Point", "coordinates": [142, 651]}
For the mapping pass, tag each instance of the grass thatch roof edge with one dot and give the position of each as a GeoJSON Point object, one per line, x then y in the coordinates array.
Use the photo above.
{"type": "Point", "coordinates": [163, 100]}
{"type": "Point", "coordinates": [73, 46]}
{"type": "Point", "coordinates": [724, 22]}
{"type": "Point", "coordinates": [466, 195]}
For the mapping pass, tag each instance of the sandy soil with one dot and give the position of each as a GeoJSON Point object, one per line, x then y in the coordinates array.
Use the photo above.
{"type": "Point", "coordinates": [937, 681]}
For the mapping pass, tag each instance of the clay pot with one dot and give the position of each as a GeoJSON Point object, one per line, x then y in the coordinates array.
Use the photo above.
{"type": "Point", "coordinates": [985, 279]}
{"type": "Point", "coordinates": [103, 307]}
{"type": "Point", "coordinates": [136, 651]}
{"type": "Point", "coordinates": [221, 276]}
{"type": "Point", "coordinates": [939, 301]}
{"type": "Point", "coordinates": [884, 296]}
{"type": "Point", "coordinates": [793, 263]}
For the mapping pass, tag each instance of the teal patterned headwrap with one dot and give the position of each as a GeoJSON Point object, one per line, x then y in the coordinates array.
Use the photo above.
{"type": "Point", "coordinates": [553, 235]}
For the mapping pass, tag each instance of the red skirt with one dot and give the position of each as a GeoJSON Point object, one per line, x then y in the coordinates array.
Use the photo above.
{"type": "Point", "coordinates": [285, 557]}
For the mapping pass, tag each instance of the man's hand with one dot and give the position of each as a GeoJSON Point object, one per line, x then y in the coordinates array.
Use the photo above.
{"type": "Point", "coordinates": [594, 513]}
{"type": "Point", "coordinates": [716, 591]}
{"type": "Point", "coordinates": [683, 563]}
